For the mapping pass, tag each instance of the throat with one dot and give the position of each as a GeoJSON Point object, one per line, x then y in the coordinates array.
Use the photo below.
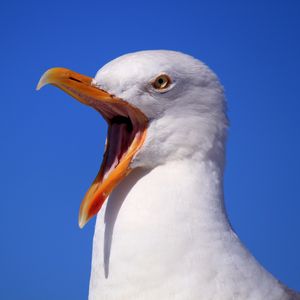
{"type": "Point", "coordinates": [182, 194]}
{"type": "Point", "coordinates": [154, 219]}
{"type": "Point", "coordinates": [165, 232]}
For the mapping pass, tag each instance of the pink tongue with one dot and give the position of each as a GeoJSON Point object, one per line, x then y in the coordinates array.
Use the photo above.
{"type": "Point", "coordinates": [117, 146]}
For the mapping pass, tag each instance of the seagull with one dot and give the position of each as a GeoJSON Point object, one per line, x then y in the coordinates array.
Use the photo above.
{"type": "Point", "coordinates": [162, 231]}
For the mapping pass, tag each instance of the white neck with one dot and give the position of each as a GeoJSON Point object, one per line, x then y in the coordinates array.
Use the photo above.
{"type": "Point", "coordinates": [164, 234]}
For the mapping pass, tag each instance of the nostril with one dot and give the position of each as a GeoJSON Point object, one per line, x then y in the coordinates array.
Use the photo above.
{"type": "Point", "coordinates": [74, 79]}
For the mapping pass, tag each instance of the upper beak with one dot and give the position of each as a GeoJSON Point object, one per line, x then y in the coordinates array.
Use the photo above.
{"type": "Point", "coordinates": [126, 134]}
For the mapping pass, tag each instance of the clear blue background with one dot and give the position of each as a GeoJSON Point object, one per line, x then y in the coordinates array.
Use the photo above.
{"type": "Point", "coordinates": [51, 146]}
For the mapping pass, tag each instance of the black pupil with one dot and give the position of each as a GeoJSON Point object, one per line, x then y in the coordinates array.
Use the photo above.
{"type": "Point", "coordinates": [160, 81]}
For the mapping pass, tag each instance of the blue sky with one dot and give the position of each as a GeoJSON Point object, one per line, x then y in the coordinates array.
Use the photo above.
{"type": "Point", "coordinates": [51, 146]}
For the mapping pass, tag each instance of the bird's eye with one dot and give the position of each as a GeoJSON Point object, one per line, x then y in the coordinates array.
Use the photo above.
{"type": "Point", "coordinates": [161, 82]}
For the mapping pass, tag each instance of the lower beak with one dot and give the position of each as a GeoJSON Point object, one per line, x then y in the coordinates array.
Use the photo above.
{"type": "Point", "coordinates": [126, 134]}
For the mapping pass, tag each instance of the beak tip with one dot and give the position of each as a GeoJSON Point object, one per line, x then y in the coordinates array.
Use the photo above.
{"type": "Point", "coordinates": [50, 77]}
{"type": "Point", "coordinates": [82, 221]}
{"type": "Point", "coordinates": [42, 82]}
{"type": "Point", "coordinates": [39, 86]}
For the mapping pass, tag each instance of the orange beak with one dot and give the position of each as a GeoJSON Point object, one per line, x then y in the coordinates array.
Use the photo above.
{"type": "Point", "coordinates": [126, 133]}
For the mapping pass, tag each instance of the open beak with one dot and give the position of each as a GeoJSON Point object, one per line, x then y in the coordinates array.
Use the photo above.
{"type": "Point", "coordinates": [126, 133]}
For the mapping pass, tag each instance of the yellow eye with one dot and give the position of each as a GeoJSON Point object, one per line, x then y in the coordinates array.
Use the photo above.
{"type": "Point", "coordinates": [161, 82]}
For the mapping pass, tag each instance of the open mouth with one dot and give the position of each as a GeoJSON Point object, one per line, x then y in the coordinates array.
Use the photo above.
{"type": "Point", "coordinates": [126, 133]}
{"type": "Point", "coordinates": [119, 138]}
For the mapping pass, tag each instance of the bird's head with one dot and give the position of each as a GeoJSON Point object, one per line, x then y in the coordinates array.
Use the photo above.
{"type": "Point", "coordinates": [160, 106]}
